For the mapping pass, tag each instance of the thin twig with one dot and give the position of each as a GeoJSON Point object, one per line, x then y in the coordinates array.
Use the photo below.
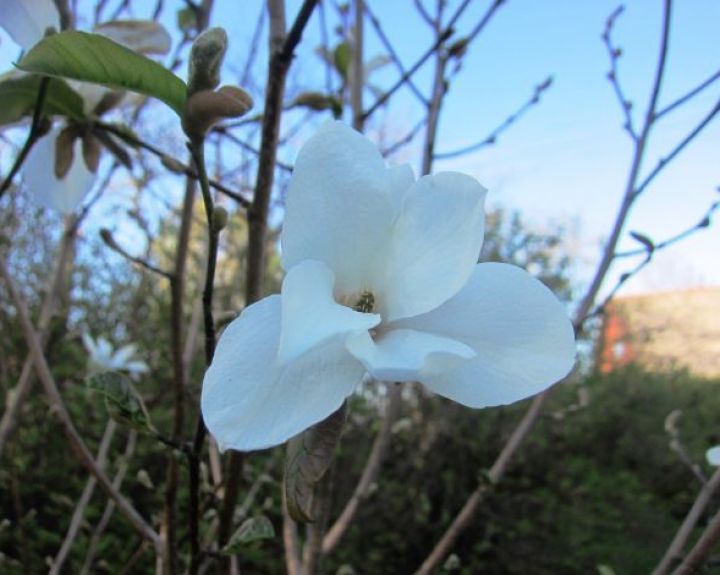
{"type": "Point", "coordinates": [614, 54]}
{"type": "Point", "coordinates": [691, 94]}
{"type": "Point", "coordinates": [110, 505]}
{"type": "Point", "coordinates": [169, 162]}
{"type": "Point", "coordinates": [446, 33]}
{"type": "Point", "coordinates": [369, 474]}
{"type": "Point", "coordinates": [673, 554]}
{"type": "Point", "coordinates": [492, 138]}
{"type": "Point", "coordinates": [697, 557]}
{"type": "Point", "coordinates": [79, 513]}
{"type": "Point", "coordinates": [393, 54]}
{"type": "Point", "coordinates": [110, 242]}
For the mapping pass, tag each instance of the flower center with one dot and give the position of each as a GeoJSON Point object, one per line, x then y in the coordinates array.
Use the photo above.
{"type": "Point", "coordinates": [365, 302]}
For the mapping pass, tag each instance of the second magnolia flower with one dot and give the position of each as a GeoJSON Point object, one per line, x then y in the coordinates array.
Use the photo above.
{"type": "Point", "coordinates": [382, 278]}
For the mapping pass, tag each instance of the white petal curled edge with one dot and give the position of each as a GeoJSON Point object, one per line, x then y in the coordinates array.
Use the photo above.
{"type": "Point", "coordinates": [339, 208]}
{"type": "Point", "coordinates": [405, 354]}
{"type": "Point", "coordinates": [251, 402]}
{"type": "Point", "coordinates": [519, 330]}
{"type": "Point", "coordinates": [63, 195]}
{"type": "Point", "coordinates": [713, 455]}
{"type": "Point", "coordinates": [26, 20]}
{"type": "Point", "coordinates": [310, 314]}
{"type": "Point", "coordinates": [435, 245]}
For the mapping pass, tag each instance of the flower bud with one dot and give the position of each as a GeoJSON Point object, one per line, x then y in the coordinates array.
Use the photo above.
{"type": "Point", "coordinates": [219, 218]}
{"type": "Point", "coordinates": [205, 108]}
{"type": "Point", "coordinates": [206, 58]}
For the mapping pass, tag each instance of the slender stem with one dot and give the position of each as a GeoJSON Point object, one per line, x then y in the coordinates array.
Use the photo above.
{"type": "Point", "coordinates": [492, 138]}
{"type": "Point", "coordinates": [673, 554]}
{"type": "Point", "coordinates": [369, 474]}
{"type": "Point", "coordinates": [76, 442]}
{"type": "Point", "coordinates": [79, 513]}
{"type": "Point", "coordinates": [33, 136]}
{"type": "Point", "coordinates": [445, 34]}
{"type": "Point", "coordinates": [358, 67]}
{"type": "Point", "coordinates": [197, 149]}
{"type": "Point", "coordinates": [699, 554]}
{"type": "Point", "coordinates": [691, 94]}
{"type": "Point", "coordinates": [110, 505]}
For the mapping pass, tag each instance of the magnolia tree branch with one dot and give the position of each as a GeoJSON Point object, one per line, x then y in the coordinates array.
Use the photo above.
{"type": "Point", "coordinates": [47, 312]}
{"type": "Point", "coordinates": [673, 554]}
{"type": "Point", "coordinates": [697, 557]}
{"type": "Point", "coordinates": [357, 84]}
{"type": "Point", "coordinates": [171, 163]}
{"type": "Point", "coordinates": [58, 405]}
{"type": "Point", "coordinates": [444, 35]}
{"type": "Point", "coordinates": [84, 500]}
{"type": "Point", "coordinates": [492, 138]}
{"type": "Point", "coordinates": [281, 49]}
{"type": "Point", "coordinates": [463, 519]}
{"type": "Point", "coordinates": [110, 505]}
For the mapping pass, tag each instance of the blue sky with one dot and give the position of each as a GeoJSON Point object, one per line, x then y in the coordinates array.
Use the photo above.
{"type": "Point", "coordinates": [566, 161]}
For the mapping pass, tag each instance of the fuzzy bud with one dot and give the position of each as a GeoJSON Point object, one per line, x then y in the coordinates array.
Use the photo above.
{"type": "Point", "coordinates": [206, 58]}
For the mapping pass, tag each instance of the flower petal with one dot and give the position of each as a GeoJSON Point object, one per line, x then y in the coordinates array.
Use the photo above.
{"type": "Point", "coordinates": [713, 455]}
{"type": "Point", "coordinates": [26, 20]}
{"type": "Point", "coordinates": [250, 401]}
{"type": "Point", "coordinates": [124, 354]}
{"type": "Point", "coordinates": [339, 207]}
{"type": "Point", "coordinates": [403, 354]}
{"type": "Point", "coordinates": [63, 195]}
{"type": "Point", "coordinates": [310, 314]}
{"type": "Point", "coordinates": [401, 178]}
{"type": "Point", "coordinates": [521, 333]}
{"type": "Point", "coordinates": [136, 367]}
{"type": "Point", "coordinates": [435, 245]}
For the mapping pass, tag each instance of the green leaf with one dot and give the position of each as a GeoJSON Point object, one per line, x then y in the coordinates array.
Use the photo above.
{"type": "Point", "coordinates": [309, 456]}
{"type": "Point", "coordinates": [96, 59]}
{"type": "Point", "coordinates": [19, 96]}
{"type": "Point", "coordinates": [122, 401]}
{"type": "Point", "coordinates": [251, 529]}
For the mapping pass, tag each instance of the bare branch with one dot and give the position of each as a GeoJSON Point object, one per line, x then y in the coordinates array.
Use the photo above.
{"type": "Point", "coordinates": [691, 94]}
{"type": "Point", "coordinates": [492, 138]}
{"type": "Point", "coordinates": [369, 474]}
{"type": "Point", "coordinates": [82, 504]}
{"type": "Point", "coordinates": [614, 53]}
{"type": "Point", "coordinates": [673, 554]}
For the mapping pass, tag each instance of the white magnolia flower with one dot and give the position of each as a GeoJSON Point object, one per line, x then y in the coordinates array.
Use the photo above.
{"type": "Point", "coordinates": [104, 357]}
{"type": "Point", "coordinates": [26, 21]}
{"type": "Point", "coordinates": [65, 192]}
{"type": "Point", "coordinates": [381, 279]}
{"type": "Point", "coordinates": [713, 455]}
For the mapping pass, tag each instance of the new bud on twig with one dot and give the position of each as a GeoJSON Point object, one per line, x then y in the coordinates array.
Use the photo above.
{"type": "Point", "coordinates": [219, 219]}
{"type": "Point", "coordinates": [206, 58]}
{"type": "Point", "coordinates": [205, 108]}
